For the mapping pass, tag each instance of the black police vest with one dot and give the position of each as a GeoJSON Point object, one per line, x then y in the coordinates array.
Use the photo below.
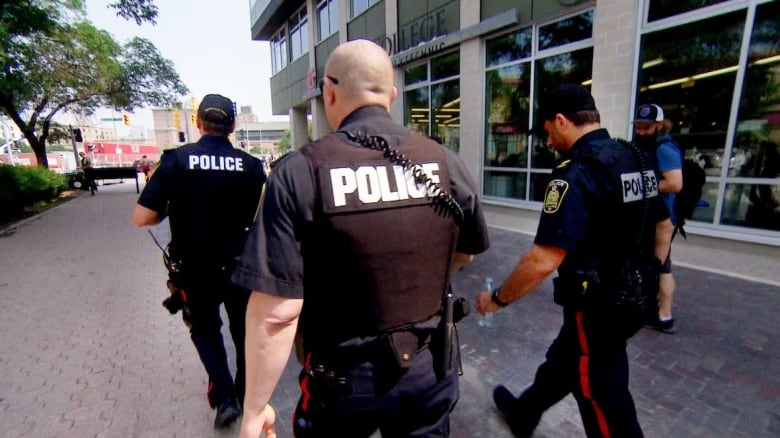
{"type": "Point", "coordinates": [617, 223]}
{"type": "Point", "coordinates": [378, 253]}
{"type": "Point", "coordinates": [215, 193]}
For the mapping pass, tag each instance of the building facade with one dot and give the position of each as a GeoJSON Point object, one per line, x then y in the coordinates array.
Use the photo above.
{"type": "Point", "coordinates": [471, 73]}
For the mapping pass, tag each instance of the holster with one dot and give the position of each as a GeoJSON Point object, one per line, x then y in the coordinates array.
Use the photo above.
{"type": "Point", "coordinates": [573, 290]}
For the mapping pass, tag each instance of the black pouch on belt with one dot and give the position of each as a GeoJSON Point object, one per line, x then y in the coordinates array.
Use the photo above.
{"type": "Point", "coordinates": [404, 345]}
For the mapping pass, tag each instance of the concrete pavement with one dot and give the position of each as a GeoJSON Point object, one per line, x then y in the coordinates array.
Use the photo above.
{"type": "Point", "coordinates": [87, 349]}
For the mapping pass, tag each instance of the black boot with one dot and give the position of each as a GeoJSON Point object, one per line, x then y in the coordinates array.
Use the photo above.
{"type": "Point", "coordinates": [509, 405]}
{"type": "Point", "coordinates": [227, 412]}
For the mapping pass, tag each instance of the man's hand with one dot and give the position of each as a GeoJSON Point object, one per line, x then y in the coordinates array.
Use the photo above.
{"type": "Point", "coordinates": [485, 304]}
{"type": "Point", "coordinates": [254, 426]}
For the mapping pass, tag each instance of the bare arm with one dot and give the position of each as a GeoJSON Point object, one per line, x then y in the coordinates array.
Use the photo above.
{"type": "Point", "coordinates": [459, 261]}
{"type": "Point", "coordinates": [671, 181]}
{"type": "Point", "coordinates": [535, 265]}
{"type": "Point", "coordinates": [145, 216]}
{"type": "Point", "coordinates": [271, 322]}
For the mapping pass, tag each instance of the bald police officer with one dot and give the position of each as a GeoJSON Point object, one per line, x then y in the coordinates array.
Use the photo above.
{"type": "Point", "coordinates": [590, 224]}
{"type": "Point", "coordinates": [350, 241]}
{"type": "Point", "coordinates": [211, 192]}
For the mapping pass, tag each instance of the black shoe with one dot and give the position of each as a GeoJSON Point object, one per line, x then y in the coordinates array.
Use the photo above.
{"type": "Point", "coordinates": [508, 405]}
{"type": "Point", "coordinates": [227, 413]}
{"type": "Point", "coordinates": [663, 326]}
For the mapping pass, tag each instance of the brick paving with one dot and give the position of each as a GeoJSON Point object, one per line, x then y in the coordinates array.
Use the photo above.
{"type": "Point", "coordinates": [88, 351]}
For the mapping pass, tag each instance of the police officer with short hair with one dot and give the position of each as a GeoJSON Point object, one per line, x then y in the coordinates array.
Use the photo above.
{"type": "Point", "coordinates": [590, 225]}
{"type": "Point", "coordinates": [210, 191]}
{"type": "Point", "coordinates": [350, 241]}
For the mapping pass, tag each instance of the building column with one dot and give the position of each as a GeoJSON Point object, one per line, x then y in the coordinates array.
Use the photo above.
{"type": "Point", "coordinates": [299, 135]}
{"type": "Point", "coordinates": [471, 90]}
{"type": "Point", "coordinates": [391, 27]}
{"type": "Point", "coordinates": [319, 123]}
{"type": "Point", "coordinates": [614, 63]}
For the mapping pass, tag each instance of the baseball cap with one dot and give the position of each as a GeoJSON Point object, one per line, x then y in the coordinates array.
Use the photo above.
{"type": "Point", "coordinates": [565, 99]}
{"type": "Point", "coordinates": [217, 109]}
{"type": "Point", "coordinates": [649, 113]}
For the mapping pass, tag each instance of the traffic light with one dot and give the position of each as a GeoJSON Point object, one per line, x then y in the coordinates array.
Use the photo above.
{"type": "Point", "coordinates": [176, 121]}
{"type": "Point", "coordinates": [126, 119]}
{"type": "Point", "coordinates": [77, 135]}
{"type": "Point", "coordinates": [181, 136]}
{"type": "Point", "coordinates": [192, 119]}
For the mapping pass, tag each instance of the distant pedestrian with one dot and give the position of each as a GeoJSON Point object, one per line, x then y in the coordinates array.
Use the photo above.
{"type": "Point", "coordinates": [145, 165]}
{"type": "Point", "coordinates": [211, 192]}
{"type": "Point", "coordinates": [589, 228]}
{"type": "Point", "coordinates": [652, 135]}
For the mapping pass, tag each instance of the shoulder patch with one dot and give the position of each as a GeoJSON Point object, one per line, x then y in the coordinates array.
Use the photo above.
{"type": "Point", "coordinates": [563, 164]}
{"type": "Point", "coordinates": [553, 197]}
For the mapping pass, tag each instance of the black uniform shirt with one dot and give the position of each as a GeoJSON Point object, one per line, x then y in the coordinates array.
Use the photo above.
{"type": "Point", "coordinates": [211, 192]}
{"type": "Point", "coordinates": [272, 261]}
{"type": "Point", "coordinates": [584, 210]}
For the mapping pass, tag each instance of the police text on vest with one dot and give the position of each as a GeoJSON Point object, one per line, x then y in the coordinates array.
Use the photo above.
{"type": "Point", "coordinates": [632, 185]}
{"type": "Point", "coordinates": [214, 162]}
{"type": "Point", "coordinates": [373, 183]}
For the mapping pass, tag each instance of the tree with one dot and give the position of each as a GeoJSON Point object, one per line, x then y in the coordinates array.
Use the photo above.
{"type": "Point", "coordinates": [54, 60]}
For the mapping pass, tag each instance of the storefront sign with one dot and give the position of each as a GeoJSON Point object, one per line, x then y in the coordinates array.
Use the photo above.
{"type": "Point", "coordinates": [440, 42]}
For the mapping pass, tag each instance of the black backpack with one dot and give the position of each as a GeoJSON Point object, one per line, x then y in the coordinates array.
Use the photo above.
{"type": "Point", "coordinates": [685, 202]}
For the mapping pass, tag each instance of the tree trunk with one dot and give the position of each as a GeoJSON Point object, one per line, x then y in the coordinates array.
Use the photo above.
{"type": "Point", "coordinates": [39, 147]}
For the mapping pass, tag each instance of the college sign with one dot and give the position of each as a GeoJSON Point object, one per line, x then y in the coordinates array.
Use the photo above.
{"type": "Point", "coordinates": [428, 36]}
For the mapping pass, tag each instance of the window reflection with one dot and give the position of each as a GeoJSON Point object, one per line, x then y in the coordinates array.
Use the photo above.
{"type": "Point", "coordinates": [666, 8]}
{"type": "Point", "coordinates": [690, 71]}
{"type": "Point", "coordinates": [566, 31]}
{"type": "Point", "coordinates": [433, 109]}
{"type": "Point", "coordinates": [505, 184]}
{"type": "Point", "coordinates": [507, 99]}
{"type": "Point", "coordinates": [511, 47]}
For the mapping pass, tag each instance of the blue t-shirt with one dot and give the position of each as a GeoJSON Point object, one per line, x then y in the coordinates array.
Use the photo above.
{"type": "Point", "coordinates": [669, 158]}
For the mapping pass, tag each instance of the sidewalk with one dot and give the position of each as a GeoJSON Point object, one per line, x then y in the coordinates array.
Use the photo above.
{"type": "Point", "coordinates": [88, 351]}
{"type": "Point", "coordinates": [747, 261]}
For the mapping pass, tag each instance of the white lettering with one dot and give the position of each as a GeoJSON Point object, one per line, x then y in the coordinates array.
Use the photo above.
{"type": "Point", "coordinates": [369, 191]}
{"type": "Point", "coordinates": [213, 162]}
{"type": "Point", "coordinates": [632, 185]}
{"type": "Point", "coordinates": [343, 181]}
{"type": "Point", "coordinates": [375, 184]}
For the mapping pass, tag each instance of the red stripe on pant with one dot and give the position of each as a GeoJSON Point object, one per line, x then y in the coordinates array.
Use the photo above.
{"type": "Point", "coordinates": [305, 393]}
{"type": "Point", "coordinates": [585, 378]}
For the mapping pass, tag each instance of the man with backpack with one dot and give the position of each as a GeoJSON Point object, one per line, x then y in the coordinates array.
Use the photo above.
{"type": "Point", "coordinates": [652, 135]}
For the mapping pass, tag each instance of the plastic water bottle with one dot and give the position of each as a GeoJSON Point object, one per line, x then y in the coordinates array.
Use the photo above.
{"type": "Point", "coordinates": [486, 320]}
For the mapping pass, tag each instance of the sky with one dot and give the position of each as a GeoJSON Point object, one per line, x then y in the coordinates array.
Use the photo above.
{"type": "Point", "coordinates": [210, 45]}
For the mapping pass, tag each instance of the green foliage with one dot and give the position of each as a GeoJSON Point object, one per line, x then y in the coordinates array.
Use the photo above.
{"type": "Point", "coordinates": [55, 60]}
{"type": "Point", "coordinates": [255, 150]}
{"type": "Point", "coordinates": [21, 187]}
{"type": "Point", "coordinates": [284, 142]}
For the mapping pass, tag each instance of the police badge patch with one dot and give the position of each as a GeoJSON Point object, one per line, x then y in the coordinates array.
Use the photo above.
{"type": "Point", "coordinates": [554, 195]}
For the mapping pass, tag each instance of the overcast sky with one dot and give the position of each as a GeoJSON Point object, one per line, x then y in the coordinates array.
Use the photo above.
{"type": "Point", "coordinates": [210, 45]}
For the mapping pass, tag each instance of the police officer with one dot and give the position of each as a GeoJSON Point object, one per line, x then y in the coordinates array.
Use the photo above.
{"type": "Point", "coordinates": [348, 240]}
{"type": "Point", "coordinates": [211, 192]}
{"type": "Point", "coordinates": [589, 224]}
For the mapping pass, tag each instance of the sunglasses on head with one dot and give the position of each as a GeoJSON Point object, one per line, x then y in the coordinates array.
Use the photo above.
{"type": "Point", "coordinates": [321, 83]}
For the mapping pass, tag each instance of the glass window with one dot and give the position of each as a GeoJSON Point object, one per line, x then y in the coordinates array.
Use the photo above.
{"type": "Point", "coordinates": [514, 167]}
{"type": "Point", "coordinates": [445, 107]}
{"type": "Point", "coordinates": [445, 66]}
{"type": "Point", "coordinates": [755, 152]}
{"type": "Point", "coordinates": [507, 98]}
{"type": "Point", "coordinates": [690, 71]}
{"type": "Point", "coordinates": [358, 6]}
{"type": "Point", "coordinates": [416, 110]}
{"type": "Point", "coordinates": [299, 34]}
{"type": "Point", "coordinates": [328, 17]}
{"type": "Point", "coordinates": [511, 47]}
{"type": "Point", "coordinates": [569, 30]}
{"type": "Point", "coordinates": [433, 107]}
{"type": "Point", "coordinates": [666, 8]}
{"type": "Point", "coordinates": [414, 75]}
{"type": "Point", "coordinates": [279, 51]}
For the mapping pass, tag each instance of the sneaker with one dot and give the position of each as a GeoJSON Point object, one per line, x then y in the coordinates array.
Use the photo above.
{"type": "Point", "coordinates": [227, 413]}
{"type": "Point", "coordinates": [663, 326]}
{"type": "Point", "coordinates": [508, 405]}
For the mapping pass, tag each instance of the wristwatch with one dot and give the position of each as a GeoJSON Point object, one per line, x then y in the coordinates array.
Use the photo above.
{"type": "Point", "coordinates": [496, 299]}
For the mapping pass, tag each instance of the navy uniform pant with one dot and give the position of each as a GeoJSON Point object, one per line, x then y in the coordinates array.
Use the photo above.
{"type": "Point", "coordinates": [413, 402]}
{"type": "Point", "coordinates": [588, 359]}
{"type": "Point", "coordinates": [204, 291]}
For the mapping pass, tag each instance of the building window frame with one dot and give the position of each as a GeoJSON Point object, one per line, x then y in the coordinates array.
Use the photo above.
{"type": "Point", "coordinates": [357, 7]}
{"type": "Point", "coordinates": [327, 9]}
{"type": "Point", "coordinates": [279, 51]}
{"type": "Point", "coordinates": [298, 29]}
